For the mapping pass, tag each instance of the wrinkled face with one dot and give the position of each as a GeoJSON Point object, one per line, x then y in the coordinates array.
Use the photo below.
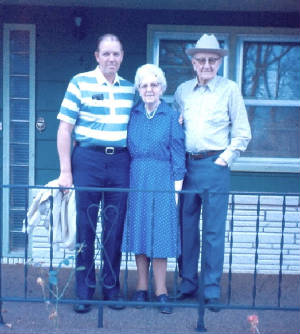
{"type": "Point", "coordinates": [150, 89]}
{"type": "Point", "coordinates": [109, 56]}
{"type": "Point", "coordinates": [206, 65]}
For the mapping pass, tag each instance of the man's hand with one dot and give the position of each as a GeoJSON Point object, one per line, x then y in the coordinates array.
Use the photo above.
{"type": "Point", "coordinates": [180, 119]}
{"type": "Point", "coordinates": [178, 187]}
{"type": "Point", "coordinates": [221, 162]}
{"type": "Point", "coordinates": [65, 180]}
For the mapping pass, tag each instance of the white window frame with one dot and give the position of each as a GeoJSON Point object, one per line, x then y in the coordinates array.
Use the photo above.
{"type": "Point", "coordinates": [234, 38]}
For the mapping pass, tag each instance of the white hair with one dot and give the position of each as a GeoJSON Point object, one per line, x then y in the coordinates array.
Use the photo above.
{"type": "Point", "coordinates": [147, 69]}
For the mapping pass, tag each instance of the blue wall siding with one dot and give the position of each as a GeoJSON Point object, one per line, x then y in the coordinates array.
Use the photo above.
{"type": "Point", "coordinates": [59, 55]}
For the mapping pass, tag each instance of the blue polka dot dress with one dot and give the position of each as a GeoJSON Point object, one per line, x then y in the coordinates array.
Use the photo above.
{"type": "Point", "coordinates": [157, 154]}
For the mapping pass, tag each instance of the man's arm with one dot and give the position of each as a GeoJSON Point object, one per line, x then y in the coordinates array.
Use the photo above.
{"type": "Point", "coordinates": [64, 137]}
{"type": "Point", "coordinates": [240, 128]}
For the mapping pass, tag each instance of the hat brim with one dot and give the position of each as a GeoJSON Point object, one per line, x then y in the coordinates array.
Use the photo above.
{"type": "Point", "coordinates": [193, 51]}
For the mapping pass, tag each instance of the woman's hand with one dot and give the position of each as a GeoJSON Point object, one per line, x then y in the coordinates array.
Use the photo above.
{"type": "Point", "coordinates": [178, 187]}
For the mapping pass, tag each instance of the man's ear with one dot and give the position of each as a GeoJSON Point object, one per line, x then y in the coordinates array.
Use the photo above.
{"type": "Point", "coordinates": [193, 64]}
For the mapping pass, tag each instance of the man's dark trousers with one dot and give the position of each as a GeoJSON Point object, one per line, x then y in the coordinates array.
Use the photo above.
{"type": "Point", "coordinates": [94, 168]}
{"type": "Point", "coordinates": [210, 182]}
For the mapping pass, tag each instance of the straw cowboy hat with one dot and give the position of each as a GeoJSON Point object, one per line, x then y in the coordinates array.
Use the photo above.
{"type": "Point", "coordinates": [209, 44]}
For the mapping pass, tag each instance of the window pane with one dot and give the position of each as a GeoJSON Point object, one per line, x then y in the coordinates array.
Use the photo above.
{"type": "Point", "coordinates": [19, 63]}
{"type": "Point", "coordinates": [19, 175]}
{"type": "Point", "coordinates": [275, 132]}
{"type": "Point", "coordinates": [19, 41]}
{"type": "Point", "coordinates": [17, 241]}
{"type": "Point", "coordinates": [19, 132]}
{"type": "Point", "coordinates": [17, 216]}
{"type": "Point", "coordinates": [173, 52]}
{"type": "Point", "coordinates": [19, 86]}
{"type": "Point", "coordinates": [19, 109]}
{"type": "Point", "coordinates": [18, 197]}
{"type": "Point", "coordinates": [175, 76]}
{"type": "Point", "coordinates": [176, 64]}
{"type": "Point", "coordinates": [271, 70]}
{"type": "Point", "coordinates": [19, 153]}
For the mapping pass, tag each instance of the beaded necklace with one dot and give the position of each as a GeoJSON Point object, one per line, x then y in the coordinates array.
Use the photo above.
{"type": "Point", "coordinates": [151, 114]}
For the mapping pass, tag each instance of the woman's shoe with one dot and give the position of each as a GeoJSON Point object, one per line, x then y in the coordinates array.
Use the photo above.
{"type": "Point", "coordinates": [140, 296]}
{"type": "Point", "coordinates": [164, 308]}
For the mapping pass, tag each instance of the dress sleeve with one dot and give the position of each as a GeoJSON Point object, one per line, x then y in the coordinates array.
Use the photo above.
{"type": "Point", "coordinates": [177, 147]}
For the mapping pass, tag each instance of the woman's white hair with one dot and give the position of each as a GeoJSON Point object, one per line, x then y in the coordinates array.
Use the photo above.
{"type": "Point", "coordinates": [147, 69]}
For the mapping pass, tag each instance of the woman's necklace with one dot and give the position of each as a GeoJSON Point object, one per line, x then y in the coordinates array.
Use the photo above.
{"type": "Point", "coordinates": [151, 114]}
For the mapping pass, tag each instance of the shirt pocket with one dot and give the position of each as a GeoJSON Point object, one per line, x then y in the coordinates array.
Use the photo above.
{"type": "Point", "coordinates": [217, 113]}
{"type": "Point", "coordinates": [190, 112]}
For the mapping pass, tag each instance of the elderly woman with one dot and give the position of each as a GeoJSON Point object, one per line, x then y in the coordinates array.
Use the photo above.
{"type": "Point", "coordinates": [156, 146]}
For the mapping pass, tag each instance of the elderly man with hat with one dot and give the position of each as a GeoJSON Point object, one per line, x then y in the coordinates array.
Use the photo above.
{"type": "Point", "coordinates": [217, 130]}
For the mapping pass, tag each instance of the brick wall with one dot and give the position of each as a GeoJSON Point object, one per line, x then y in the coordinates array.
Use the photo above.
{"type": "Point", "coordinates": [246, 213]}
{"type": "Point", "coordinates": [271, 219]}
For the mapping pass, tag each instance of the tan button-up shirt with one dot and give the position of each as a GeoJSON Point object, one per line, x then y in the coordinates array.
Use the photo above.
{"type": "Point", "coordinates": [215, 117]}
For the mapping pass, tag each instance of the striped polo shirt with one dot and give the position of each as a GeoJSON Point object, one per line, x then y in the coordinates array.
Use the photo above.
{"type": "Point", "coordinates": [99, 110]}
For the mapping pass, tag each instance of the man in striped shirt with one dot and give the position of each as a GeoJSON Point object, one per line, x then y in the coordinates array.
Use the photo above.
{"type": "Point", "coordinates": [95, 113]}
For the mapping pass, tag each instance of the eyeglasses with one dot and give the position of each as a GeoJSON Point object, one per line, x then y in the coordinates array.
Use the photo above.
{"type": "Point", "coordinates": [210, 60]}
{"type": "Point", "coordinates": [152, 85]}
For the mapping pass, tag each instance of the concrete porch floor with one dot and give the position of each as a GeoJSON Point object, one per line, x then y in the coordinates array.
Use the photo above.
{"type": "Point", "coordinates": [30, 317]}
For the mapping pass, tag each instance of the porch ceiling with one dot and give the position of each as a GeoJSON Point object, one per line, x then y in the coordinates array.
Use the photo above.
{"type": "Point", "coordinates": [204, 5]}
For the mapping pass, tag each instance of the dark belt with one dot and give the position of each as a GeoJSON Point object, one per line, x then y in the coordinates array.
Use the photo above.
{"type": "Point", "coordinates": [109, 150]}
{"type": "Point", "coordinates": [202, 155]}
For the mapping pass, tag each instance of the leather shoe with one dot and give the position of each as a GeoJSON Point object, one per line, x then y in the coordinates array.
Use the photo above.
{"type": "Point", "coordinates": [140, 296]}
{"type": "Point", "coordinates": [115, 306]}
{"type": "Point", "coordinates": [185, 295]}
{"type": "Point", "coordinates": [164, 308]}
{"type": "Point", "coordinates": [82, 308]}
{"type": "Point", "coordinates": [215, 307]}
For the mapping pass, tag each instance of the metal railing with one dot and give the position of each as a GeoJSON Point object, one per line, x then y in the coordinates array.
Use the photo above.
{"type": "Point", "coordinates": [54, 292]}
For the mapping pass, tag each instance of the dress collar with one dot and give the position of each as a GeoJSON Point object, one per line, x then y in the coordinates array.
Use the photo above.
{"type": "Point", "coordinates": [140, 107]}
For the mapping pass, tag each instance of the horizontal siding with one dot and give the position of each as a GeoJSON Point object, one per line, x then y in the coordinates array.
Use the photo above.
{"type": "Point", "coordinates": [45, 175]}
{"type": "Point", "coordinates": [265, 182]}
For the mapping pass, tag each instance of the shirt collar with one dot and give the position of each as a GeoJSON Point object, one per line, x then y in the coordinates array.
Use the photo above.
{"type": "Point", "coordinates": [210, 85]}
{"type": "Point", "coordinates": [103, 81]}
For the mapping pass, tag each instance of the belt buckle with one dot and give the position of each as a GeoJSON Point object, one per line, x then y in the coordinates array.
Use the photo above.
{"type": "Point", "coordinates": [109, 150]}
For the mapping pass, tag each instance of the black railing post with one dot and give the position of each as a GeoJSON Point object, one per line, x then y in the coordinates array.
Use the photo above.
{"type": "Point", "coordinates": [101, 280]}
{"type": "Point", "coordinates": [26, 243]}
{"type": "Point", "coordinates": [178, 242]}
{"type": "Point", "coordinates": [201, 310]}
{"type": "Point", "coordinates": [256, 251]}
{"type": "Point", "coordinates": [151, 255]}
{"type": "Point", "coordinates": [125, 284]}
{"type": "Point", "coordinates": [281, 251]}
{"type": "Point", "coordinates": [1, 245]}
{"type": "Point", "coordinates": [51, 243]}
{"type": "Point", "coordinates": [230, 248]}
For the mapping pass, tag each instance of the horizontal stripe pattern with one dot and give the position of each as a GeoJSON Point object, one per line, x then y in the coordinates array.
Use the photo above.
{"type": "Point", "coordinates": [99, 111]}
